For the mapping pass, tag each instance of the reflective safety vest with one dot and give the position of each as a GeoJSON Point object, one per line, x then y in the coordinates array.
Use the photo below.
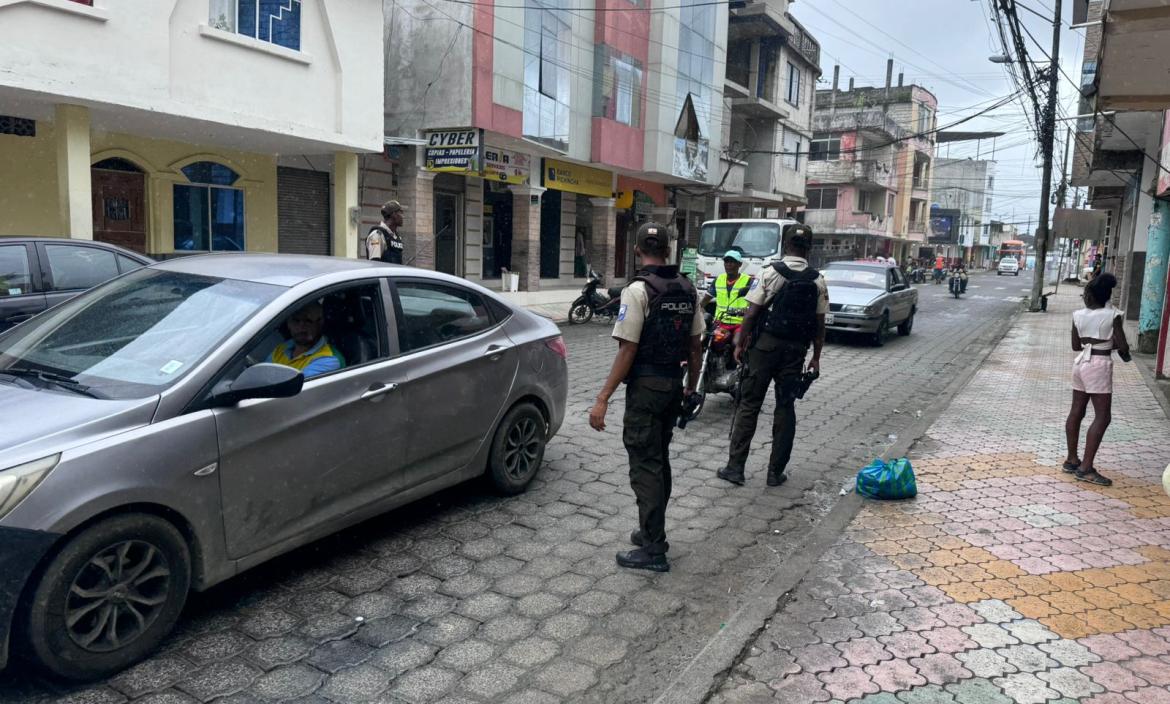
{"type": "Point", "coordinates": [731, 306]}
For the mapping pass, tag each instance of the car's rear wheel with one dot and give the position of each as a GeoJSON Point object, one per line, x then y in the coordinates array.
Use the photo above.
{"type": "Point", "coordinates": [907, 325]}
{"type": "Point", "coordinates": [517, 449]}
{"type": "Point", "coordinates": [580, 312]}
{"type": "Point", "coordinates": [879, 335]}
{"type": "Point", "coordinates": [108, 597]}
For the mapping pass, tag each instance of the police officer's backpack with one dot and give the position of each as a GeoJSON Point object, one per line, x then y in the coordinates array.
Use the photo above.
{"type": "Point", "coordinates": [793, 313]}
{"type": "Point", "coordinates": [666, 332]}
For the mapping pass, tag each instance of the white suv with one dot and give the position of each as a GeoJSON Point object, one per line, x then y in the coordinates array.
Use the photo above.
{"type": "Point", "coordinates": [1008, 265]}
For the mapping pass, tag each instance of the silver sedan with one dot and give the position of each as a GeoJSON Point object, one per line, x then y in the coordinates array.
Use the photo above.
{"type": "Point", "coordinates": [192, 419]}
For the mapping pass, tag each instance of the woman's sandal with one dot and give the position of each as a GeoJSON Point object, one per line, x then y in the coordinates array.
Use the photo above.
{"type": "Point", "coordinates": [1093, 477]}
{"type": "Point", "coordinates": [1071, 467]}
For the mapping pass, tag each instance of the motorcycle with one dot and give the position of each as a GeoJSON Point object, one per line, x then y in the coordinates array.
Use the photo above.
{"type": "Point", "coordinates": [956, 284]}
{"type": "Point", "coordinates": [719, 372]}
{"type": "Point", "coordinates": [592, 302]}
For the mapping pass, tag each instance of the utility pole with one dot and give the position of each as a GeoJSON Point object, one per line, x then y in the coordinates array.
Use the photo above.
{"type": "Point", "coordinates": [1048, 138]}
{"type": "Point", "coordinates": [1061, 193]}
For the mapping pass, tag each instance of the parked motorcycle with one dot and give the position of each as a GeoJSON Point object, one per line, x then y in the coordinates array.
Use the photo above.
{"type": "Point", "coordinates": [956, 284]}
{"type": "Point", "coordinates": [593, 302]}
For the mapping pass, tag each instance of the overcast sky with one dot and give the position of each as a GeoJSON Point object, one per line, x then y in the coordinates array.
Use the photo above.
{"type": "Point", "coordinates": [944, 45]}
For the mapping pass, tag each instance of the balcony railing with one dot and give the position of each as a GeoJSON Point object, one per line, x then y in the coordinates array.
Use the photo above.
{"type": "Point", "coordinates": [806, 46]}
{"type": "Point", "coordinates": [917, 227]}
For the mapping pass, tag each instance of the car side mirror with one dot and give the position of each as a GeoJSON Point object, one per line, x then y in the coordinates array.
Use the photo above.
{"type": "Point", "coordinates": [265, 380]}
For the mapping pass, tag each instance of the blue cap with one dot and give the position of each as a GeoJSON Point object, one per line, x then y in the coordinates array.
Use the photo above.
{"type": "Point", "coordinates": [733, 254]}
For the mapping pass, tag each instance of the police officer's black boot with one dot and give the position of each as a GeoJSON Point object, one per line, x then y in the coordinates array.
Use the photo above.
{"type": "Point", "coordinates": [644, 558]}
{"type": "Point", "coordinates": [728, 474]}
{"type": "Point", "coordinates": [637, 539]}
{"type": "Point", "coordinates": [776, 477]}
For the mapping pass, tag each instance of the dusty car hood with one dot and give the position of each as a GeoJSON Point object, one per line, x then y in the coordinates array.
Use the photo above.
{"type": "Point", "coordinates": [853, 295]}
{"type": "Point", "coordinates": [41, 422]}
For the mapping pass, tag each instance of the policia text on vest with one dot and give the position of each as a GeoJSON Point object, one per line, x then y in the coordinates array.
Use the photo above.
{"type": "Point", "coordinates": [658, 328]}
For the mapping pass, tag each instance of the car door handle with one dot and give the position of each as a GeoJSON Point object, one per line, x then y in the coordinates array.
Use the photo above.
{"type": "Point", "coordinates": [494, 352]}
{"type": "Point", "coordinates": [377, 391]}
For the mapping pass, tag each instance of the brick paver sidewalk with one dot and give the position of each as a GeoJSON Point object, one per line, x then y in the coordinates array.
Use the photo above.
{"type": "Point", "coordinates": [1006, 579]}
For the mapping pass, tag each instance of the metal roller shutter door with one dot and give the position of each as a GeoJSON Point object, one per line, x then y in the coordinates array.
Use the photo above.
{"type": "Point", "coordinates": [302, 202]}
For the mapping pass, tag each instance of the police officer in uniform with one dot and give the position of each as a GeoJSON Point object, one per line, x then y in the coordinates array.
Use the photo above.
{"type": "Point", "coordinates": [783, 330]}
{"type": "Point", "coordinates": [658, 328]}
{"type": "Point", "coordinates": [383, 243]}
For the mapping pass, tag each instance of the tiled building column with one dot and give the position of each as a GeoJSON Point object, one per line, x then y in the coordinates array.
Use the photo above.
{"type": "Point", "coordinates": [74, 189]}
{"type": "Point", "coordinates": [603, 243]}
{"type": "Point", "coordinates": [345, 199]}
{"type": "Point", "coordinates": [417, 194]}
{"type": "Point", "coordinates": [526, 235]}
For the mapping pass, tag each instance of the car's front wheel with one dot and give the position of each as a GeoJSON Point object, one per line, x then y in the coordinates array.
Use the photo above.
{"type": "Point", "coordinates": [517, 449]}
{"type": "Point", "coordinates": [879, 336]}
{"type": "Point", "coordinates": [108, 597]}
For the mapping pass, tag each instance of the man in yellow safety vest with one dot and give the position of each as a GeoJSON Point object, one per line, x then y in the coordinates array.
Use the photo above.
{"type": "Point", "coordinates": [730, 290]}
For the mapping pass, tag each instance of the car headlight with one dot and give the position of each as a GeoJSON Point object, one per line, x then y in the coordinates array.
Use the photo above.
{"type": "Point", "coordinates": [853, 309]}
{"type": "Point", "coordinates": [17, 482]}
{"type": "Point", "coordinates": [874, 309]}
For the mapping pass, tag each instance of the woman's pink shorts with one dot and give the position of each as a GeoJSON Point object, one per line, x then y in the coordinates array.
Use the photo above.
{"type": "Point", "coordinates": [1094, 376]}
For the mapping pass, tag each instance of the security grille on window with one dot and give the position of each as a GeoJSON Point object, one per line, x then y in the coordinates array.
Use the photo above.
{"type": "Point", "coordinates": [274, 21]}
{"type": "Point", "coordinates": [793, 91]}
{"type": "Point", "coordinates": [824, 149]}
{"type": "Point", "coordinates": [209, 213]}
{"type": "Point", "coordinates": [822, 198]}
{"type": "Point", "coordinates": [18, 126]}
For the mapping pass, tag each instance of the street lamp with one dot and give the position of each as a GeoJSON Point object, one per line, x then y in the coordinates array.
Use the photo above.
{"type": "Point", "coordinates": [1000, 59]}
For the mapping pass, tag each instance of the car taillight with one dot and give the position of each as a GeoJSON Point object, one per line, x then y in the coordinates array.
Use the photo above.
{"type": "Point", "coordinates": [557, 344]}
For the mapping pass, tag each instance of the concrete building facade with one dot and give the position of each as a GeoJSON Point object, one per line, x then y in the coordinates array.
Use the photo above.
{"type": "Point", "coordinates": [870, 170]}
{"type": "Point", "coordinates": [180, 128]}
{"type": "Point", "coordinates": [965, 186]}
{"type": "Point", "coordinates": [570, 128]}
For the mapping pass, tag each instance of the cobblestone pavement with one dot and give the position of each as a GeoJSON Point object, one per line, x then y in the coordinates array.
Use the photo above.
{"type": "Point", "coordinates": [1006, 580]}
{"type": "Point", "coordinates": [469, 597]}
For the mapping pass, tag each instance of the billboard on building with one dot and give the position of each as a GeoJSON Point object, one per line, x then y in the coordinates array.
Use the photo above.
{"type": "Point", "coordinates": [454, 151]}
{"type": "Point", "coordinates": [505, 166]}
{"type": "Point", "coordinates": [574, 178]}
{"type": "Point", "coordinates": [944, 226]}
{"type": "Point", "coordinates": [690, 158]}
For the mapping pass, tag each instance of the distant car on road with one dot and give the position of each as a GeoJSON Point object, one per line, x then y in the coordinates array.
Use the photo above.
{"type": "Point", "coordinates": [868, 297]}
{"type": "Point", "coordinates": [1008, 265]}
{"type": "Point", "coordinates": [150, 448]}
{"type": "Point", "coordinates": [37, 273]}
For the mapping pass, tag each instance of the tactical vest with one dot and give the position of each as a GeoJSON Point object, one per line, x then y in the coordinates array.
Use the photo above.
{"type": "Point", "coordinates": [666, 332]}
{"type": "Point", "coordinates": [792, 315]}
{"type": "Point", "coordinates": [731, 306]}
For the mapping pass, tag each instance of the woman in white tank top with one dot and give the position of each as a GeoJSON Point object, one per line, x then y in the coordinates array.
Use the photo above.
{"type": "Point", "coordinates": [1096, 334]}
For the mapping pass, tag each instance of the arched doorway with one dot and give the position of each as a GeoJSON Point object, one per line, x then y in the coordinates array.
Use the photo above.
{"type": "Point", "coordinates": [119, 203]}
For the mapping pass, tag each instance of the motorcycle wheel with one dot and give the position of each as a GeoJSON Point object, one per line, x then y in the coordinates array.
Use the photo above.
{"type": "Point", "coordinates": [580, 312]}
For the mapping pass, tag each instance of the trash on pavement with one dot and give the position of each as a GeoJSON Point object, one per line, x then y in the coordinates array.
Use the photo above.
{"type": "Point", "coordinates": [892, 480]}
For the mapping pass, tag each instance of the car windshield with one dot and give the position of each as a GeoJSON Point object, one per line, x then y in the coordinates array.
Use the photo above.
{"type": "Point", "coordinates": [855, 276]}
{"type": "Point", "coordinates": [754, 239]}
{"type": "Point", "coordinates": [134, 336]}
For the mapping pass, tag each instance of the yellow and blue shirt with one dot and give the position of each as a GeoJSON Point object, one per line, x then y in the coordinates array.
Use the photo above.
{"type": "Point", "coordinates": [318, 359]}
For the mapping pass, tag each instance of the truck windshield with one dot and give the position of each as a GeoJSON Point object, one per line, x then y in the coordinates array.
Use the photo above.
{"type": "Point", "coordinates": [754, 239]}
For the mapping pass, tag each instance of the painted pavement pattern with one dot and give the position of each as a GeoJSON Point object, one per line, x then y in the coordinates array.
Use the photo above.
{"type": "Point", "coordinates": [1006, 580]}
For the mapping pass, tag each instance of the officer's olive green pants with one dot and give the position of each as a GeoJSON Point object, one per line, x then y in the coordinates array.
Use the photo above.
{"type": "Point", "coordinates": [652, 408]}
{"type": "Point", "coordinates": [770, 362]}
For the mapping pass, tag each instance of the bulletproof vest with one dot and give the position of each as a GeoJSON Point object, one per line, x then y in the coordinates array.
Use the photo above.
{"type": "Point", "coordinates": [666, 332]}
{"type": "Point", "coordinates": [793, 313]}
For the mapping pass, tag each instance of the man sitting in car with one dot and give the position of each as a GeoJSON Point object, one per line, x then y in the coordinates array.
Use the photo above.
{"type": "Point", "coordinates": [307, 350]}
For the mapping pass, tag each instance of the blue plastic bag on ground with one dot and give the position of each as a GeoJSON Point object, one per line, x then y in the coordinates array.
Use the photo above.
{"type": "Point", "coordinates": [887, 480]}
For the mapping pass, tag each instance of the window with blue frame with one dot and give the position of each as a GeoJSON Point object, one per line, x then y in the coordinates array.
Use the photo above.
{"type": "Point", "coordinates": [275, 21]}
{"type": "Point", "coordinates": [209, 211]}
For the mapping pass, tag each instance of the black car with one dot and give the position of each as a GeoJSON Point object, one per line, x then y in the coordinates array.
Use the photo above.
{"type": "Point", "coordinates": [37, 273]}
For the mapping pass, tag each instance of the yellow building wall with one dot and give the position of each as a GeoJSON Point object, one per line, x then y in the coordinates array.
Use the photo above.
{"type": "Point", "coordinates": [28, 184]}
